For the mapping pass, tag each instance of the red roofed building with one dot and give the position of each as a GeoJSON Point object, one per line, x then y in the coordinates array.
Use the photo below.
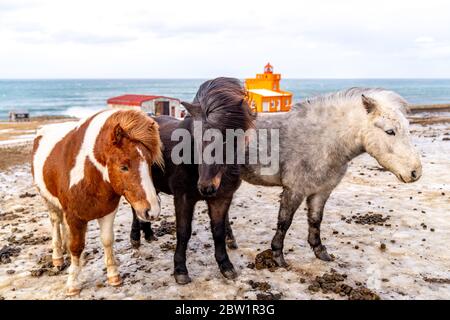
{"type": "Point", "coordinates": [153, 105]}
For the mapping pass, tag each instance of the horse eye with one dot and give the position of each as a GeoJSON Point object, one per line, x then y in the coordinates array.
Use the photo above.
{"type": "Point", "coordinates": [390, 132]}
{"type": "Point", "coordinates": [123, 168]}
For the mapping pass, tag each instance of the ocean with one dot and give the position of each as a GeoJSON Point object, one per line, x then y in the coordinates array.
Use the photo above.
{"type": "Point", "coordinates": [80, 98]}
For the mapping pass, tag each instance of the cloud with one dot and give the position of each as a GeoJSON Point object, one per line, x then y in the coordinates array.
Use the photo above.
{"type": "Point", "coordinates": [424, 40]}
{"type": "Point", "coordinates": [13, 5]}
{"type": "Point", "coordinates": [89, 38]}
{"type": "Point", "coordinates": [429, 48]}
{"type": "Point", "coordinates": [40, 37]}
{"type": "Point", "coordinates": [162, 28]}
{"type": "Point", "coordinates": [176, 38]}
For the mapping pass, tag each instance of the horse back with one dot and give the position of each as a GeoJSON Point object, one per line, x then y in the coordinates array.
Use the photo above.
{"type": "Point", "coordinates": [54, 152]}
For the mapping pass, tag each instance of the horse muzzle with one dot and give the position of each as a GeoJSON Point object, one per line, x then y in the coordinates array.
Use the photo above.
{"type": "Point", "coordinates": [148, 215]}
{"type": "Point", "coordinates": [208, 190]}
{"type": "Point", "coordinates": [411, 176]}
{"type": "Point", "coordinates": [209, 187]}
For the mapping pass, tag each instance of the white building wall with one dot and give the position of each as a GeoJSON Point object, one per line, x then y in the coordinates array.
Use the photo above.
{"type": "Point", "coordinates": [122, 106]}
{"type": "Point", "coordinates": [149, 106]}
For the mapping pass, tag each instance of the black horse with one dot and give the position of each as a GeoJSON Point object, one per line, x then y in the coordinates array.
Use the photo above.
{"type": "Point", "coordinates": [219, 104]}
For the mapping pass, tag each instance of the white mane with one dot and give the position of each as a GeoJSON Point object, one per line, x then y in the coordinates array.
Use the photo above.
{"type": "Point", "coordinates": [388, 100]}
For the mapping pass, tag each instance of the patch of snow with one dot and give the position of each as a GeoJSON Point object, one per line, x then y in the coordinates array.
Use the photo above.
{"type": "Point", "coordinates": [398, 272]}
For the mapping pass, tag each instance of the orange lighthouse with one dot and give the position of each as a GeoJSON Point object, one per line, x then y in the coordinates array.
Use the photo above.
{"type": "Point", "coordinates": [264, 94]}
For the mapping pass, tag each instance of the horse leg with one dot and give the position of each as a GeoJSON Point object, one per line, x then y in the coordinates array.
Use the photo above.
{"type": "Point", "coordinates": [149, 236]}
{"type": "Point", "coordinates": [57, 244]}
{"type": "Point", "coordinates": [290, 201]}
{"type": "Point", "coordinates": [136, 227]}
{"type": "Point", "coordinates": [65, 235]}
{"type": "Point", "coordinates": [146, 227]}
{"type": "Point", "coordinates": [316, 203]}
{"type": "Point", "coordinates": [229, 236]}
{"type": "Point", "coordinates": [218, 209]}
{"type": "Point", "coordinates": [77, 237]}
{"type": "Point", "coordinates": [135, 234]}
{"type": "Point", "coordinates": [184, 209]}
{"type": "Point", "coordinates": [107, 237]}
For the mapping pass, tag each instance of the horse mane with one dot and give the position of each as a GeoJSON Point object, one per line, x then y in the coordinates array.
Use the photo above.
{"type": "Point", "coordinates": [223, 101]}
{"type": "Point", "coordinates": [353, 96]}
{"type": "Point", "coordinates": [140, 128]}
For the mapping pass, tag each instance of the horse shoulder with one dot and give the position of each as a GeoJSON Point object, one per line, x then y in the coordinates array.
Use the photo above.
{"type": "Point", "coordinates": [92, 197]}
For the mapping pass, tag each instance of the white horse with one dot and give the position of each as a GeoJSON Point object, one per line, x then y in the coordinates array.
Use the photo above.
{"type": "Point", "coordinates": [317, 140]}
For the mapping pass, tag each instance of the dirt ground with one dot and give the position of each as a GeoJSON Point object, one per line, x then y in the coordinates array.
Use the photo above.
{"type": "Point", "coordinates": [387, 237]}
{"type": "Point", "coordinates": [25, 130]}
{"type": "Point", "coordinates": [15, 156]}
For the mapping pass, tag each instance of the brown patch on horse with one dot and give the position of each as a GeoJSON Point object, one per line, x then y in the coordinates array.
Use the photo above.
{"type": "Point", "coordinates": [135, 126]}
{"type": "Point", "coordinates": [78, 202]}
{"type": "Point", "coordinates": [62, 159]}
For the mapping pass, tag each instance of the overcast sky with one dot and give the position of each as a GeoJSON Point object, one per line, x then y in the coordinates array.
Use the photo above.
{"type": "Point", "coordinates": [202, 39]}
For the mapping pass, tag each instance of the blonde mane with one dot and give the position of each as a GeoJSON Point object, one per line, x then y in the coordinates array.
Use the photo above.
{"type": "Point", "coordinates": [141, 128]}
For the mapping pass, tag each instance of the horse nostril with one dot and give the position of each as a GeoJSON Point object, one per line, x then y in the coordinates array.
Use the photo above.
{"type": "Point", "coordinates": [414, 174]}
{"type": "Point", "coordinates": [207, 191]}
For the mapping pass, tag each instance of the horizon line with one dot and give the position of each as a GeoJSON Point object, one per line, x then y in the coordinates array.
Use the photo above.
{"type": "Point", "coordinates": [203, 78]}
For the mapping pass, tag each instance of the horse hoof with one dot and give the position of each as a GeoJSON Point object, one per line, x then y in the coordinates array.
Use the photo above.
{"type": "Point", "coordinates": [115, 281]}
{"type": "Point", "coordinates": [232, 244]}
{"type": "Point", "coordinates": [322, 254]}
{"type": "Point", "coordinates": [136, 253]}
{"type": "Point", "coordinates": [151, 238]}
{"type": "Point", "coordinates": [280, 262]}
{"type": "Point", "coordinates": [73, 291]}
{"type": "Point", "coordinates": [58, 262]}
{"type": "Point", "coordinates": [135, 243]}
{"type": "Point", "coordinates": [182, 278]}
{"type": "Point", "coordinates": [230, 274]}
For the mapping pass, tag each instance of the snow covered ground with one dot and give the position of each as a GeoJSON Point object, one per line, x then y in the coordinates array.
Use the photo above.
{"type": "Point", "coordinates": [415, 263]}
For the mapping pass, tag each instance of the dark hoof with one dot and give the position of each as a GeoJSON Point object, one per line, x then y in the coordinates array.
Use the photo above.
{"type": "Point", "coordinates": [322, 254]}
{"type": "Point", "coordinates": [151, 238]}
{"type": "Point", "coordinates": [182, 278]}
{"type": "Point", "coordinates": [229, 274]}
{"type": "Point", "coordinates": [232, 244]}
{"type": "Point", "coordinates": [279, 260]}
{"type": "Point", "coordinates": [135, 243]}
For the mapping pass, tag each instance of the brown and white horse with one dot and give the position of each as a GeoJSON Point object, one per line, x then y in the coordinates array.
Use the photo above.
{"type": "Point", "coordinates": [82, 170]}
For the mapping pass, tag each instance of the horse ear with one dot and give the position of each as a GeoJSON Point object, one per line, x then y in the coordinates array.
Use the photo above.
{"type": "Point", "coordinates": [194, 109]}
{"type": "Point", "coordinates": [117, 135]}
{"type": "Point", "coordinates": [369, 103]}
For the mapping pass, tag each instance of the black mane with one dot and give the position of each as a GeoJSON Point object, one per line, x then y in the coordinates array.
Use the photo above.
{"type": "Point", "coordinates": [223, 101]}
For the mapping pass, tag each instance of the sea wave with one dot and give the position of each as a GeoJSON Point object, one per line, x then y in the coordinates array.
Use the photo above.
{"type": "Point", "coordinates": [82, 112]}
